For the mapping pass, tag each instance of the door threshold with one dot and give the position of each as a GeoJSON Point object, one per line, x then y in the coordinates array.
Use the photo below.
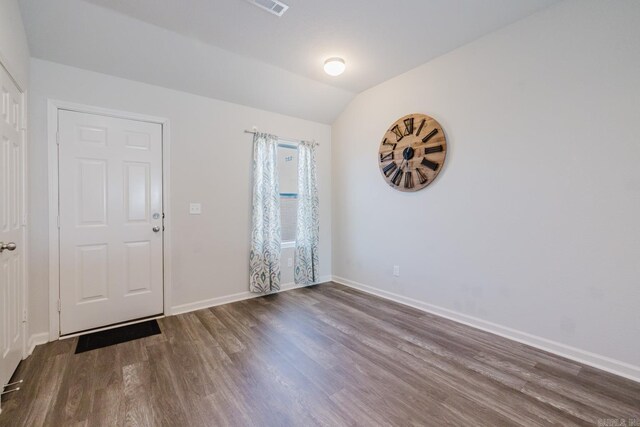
{"type": "Point", "coordinates": [112, 326]}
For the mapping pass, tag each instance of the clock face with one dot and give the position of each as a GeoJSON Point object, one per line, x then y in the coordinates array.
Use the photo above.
{"type": "Point", "coordinates": [412, 152]}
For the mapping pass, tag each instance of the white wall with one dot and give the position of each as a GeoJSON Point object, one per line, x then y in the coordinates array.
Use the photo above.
{"type": "Point", "coordinates": [14, 51]}
{"type": "Point", "coordinates": [210, 164]}
{"type": "Point", "coordinates": [534, 224]}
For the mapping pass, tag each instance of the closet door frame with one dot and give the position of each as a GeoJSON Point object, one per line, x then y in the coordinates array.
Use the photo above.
{"type": "Point", "coordinates": [53, 107]}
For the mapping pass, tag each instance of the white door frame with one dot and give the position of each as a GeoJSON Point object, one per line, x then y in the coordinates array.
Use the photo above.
{"type": "Point", "coordinates": [53, 106]}
{"type": "Point", "coordinates": [25, 229]}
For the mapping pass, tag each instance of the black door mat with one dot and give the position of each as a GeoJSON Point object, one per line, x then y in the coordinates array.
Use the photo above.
{"type": "Point", "coordinates": [118, 335]}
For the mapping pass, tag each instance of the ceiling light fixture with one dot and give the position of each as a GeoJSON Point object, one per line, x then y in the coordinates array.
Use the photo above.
{"type": "Point", "coordinates": [334, 66]}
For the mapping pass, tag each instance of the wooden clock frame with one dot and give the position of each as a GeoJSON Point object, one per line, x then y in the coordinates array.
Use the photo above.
{"type": "Point", "coordinates": [412, 152]}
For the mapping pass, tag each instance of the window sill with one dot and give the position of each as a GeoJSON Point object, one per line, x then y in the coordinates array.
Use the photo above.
{"type": "Point", "coordinates": [287, 245]}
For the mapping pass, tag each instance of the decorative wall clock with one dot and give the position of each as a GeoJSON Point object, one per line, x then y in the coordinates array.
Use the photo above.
{"type": "Point", "coordinates": [412, 152]}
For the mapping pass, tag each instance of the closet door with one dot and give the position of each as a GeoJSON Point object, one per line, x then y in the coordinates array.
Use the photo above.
{"type": "Point", "coordinates": [11, 226]}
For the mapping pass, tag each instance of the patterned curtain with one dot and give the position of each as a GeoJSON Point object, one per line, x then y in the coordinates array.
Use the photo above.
{"type": "Point", "coordinates": [308, 226]}
{"type": "Point", "coordinates": [264, 259]}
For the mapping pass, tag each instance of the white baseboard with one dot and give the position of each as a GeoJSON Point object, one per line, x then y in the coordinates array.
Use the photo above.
{"type": "Point", "coordinates": [36, 339]}
{"type": "Point", "coordinates": [605, 363]}
{"type": "Point", "coordinates": [212, 302]}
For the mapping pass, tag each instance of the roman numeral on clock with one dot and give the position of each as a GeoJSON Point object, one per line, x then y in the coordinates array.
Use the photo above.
{"type": "Point", "coordinates": [396, 130]}
{"type": "Point", "coordinates": [408, 180]}
{"type": "Point", "coordinates": [422, 178]}
{"type": "Point", "coordinates": [408, 126]}
{"type": "Point", "coordinates": [388, 170]}
{"type": "Point", "coordinates": [397, 177]}
{"type": "Point", "coordinates": [386, 156]}
{"type": "Point", "coordinates": [429, 164]}
{"type": "Point", "coordinates": [430, 135]}
{"type": "Point", "coordinates": [391, 144]}
{"type": "Point", "coordinates": [421, 126]}
{"type": "Point", "coordinates": [436, 149]}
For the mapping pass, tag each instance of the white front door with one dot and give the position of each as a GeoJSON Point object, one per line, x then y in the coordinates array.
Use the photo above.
{"type": "Point", "coordinates": [111, 227]}
{"type": "Point", "coordinates": [11, 226]}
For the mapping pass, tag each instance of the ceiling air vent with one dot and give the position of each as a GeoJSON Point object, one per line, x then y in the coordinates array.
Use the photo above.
{"type": "Point", "coordinates": [271, 6]}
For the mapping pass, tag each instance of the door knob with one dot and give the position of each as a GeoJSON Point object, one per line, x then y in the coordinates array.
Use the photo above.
{"type": "Point", "coordinates": [7, 246]}
{"type": "Point", "coordinates": [156, 229]}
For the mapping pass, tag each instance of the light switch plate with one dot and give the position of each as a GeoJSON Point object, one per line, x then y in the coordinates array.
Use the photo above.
{"type": "Point", "coordinates": [195, 208]}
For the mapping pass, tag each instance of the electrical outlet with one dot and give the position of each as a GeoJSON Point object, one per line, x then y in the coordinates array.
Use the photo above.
{"type": "Point", "coordinates": [289, 262]}
{"type": "Point", "coordinates": [195, 208]}
{"type": "Point", "coordinates": [396, 270]}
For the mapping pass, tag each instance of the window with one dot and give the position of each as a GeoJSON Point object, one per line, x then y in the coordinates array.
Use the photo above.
{"type": "Point", "coordinates": [288, 171]}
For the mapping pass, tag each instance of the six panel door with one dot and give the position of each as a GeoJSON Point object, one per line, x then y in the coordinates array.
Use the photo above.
{"type": "Point", "coordinates": [111, 227]}
{"type": "Point", "coordinates": [11, 226]}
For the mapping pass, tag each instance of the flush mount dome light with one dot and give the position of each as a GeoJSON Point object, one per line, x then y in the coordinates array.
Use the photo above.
{"type": "Point", "coordinates": [334, 66]}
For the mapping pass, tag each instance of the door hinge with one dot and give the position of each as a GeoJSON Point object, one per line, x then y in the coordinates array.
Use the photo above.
{"type": "Point", "coordinates": [24, 316]}
{"type": "Point", "coordinates": [59, 306]}
{"type": "Point", "coordinates": [57, 137]}
{"type": "Point", "coordinates": [58, 221]}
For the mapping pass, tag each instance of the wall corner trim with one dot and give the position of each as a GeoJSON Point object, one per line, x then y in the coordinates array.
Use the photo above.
{"type": "Point", "coordinates": [36, 339]}
{"type": "Point", "coordinates": [598, 361]}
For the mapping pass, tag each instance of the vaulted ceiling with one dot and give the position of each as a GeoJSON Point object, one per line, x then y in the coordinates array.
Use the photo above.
{"type": "Point", "coordinates": [232, 50]}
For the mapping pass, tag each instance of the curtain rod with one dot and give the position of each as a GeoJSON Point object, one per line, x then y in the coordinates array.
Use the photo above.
{"type": "Point", "coordinates": [280, 137]}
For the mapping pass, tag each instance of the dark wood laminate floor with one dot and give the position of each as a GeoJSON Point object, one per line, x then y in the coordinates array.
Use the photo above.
{"type": "Point", "coordinates": [323, 355]}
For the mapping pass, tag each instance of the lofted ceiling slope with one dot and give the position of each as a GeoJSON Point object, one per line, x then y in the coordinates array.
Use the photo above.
{"type": "Point", "coordinates": [232, 50]}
